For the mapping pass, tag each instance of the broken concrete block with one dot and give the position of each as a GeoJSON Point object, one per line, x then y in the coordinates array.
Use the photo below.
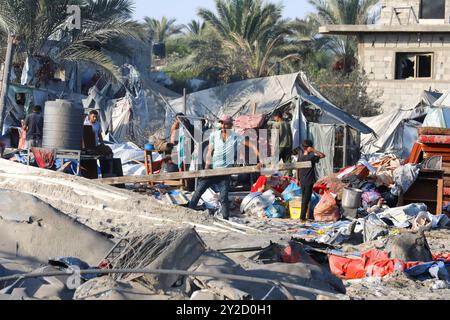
{"type": "Point", "coordinates": [409, 247]}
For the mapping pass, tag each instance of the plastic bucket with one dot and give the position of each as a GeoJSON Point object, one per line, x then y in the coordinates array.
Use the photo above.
{"type": "Point", "coordinates": [352, 198]}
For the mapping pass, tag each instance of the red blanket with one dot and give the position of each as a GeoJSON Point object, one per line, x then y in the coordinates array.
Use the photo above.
{"type": "Point", "coordinates": [434, 139]}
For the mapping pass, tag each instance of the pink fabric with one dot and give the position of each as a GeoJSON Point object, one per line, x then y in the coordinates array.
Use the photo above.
{"type": "Point", "coordinates": [249, 121]}
{"type": "Point", "coordinates": [435, 139]}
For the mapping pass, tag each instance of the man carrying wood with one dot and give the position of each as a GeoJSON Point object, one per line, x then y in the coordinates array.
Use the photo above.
{"type": "Point", "coordinates": [223, 152]}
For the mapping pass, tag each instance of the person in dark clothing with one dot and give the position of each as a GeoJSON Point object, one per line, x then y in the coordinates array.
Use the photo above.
{"type": "Point", "coordinates": [285, 136]}
{"type": "Point", "coordinates": [34, 126]}
{"type": "Point", "coordinates": [308, 176]}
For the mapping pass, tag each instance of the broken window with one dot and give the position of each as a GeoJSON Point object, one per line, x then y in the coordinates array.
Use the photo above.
{"type": "Point", "coordinates": [413, 65]}
{"type": "Point", "coordinates": [432, 9]}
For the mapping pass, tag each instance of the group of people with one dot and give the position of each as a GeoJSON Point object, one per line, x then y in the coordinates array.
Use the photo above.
{"type": "Point", "coordinates": [223, 146]}
{"type": "Point", "coordinates": [33, 126]}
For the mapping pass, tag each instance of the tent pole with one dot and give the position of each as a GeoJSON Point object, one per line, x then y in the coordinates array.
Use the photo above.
{"type": "Point", "coordinates": [345, 145]}
{"type": "Point", "coordinates": [184, 101]}
{"type": "Point", "coordinates": [5, 78]}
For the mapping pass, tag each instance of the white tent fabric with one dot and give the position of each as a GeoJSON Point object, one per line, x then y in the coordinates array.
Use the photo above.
{"type": "Point", "coordinates": [135, 116]}
{"type": "Point", "coordinates": [438, 118]}
{"type": "Point", "coordinates": [396, 131]}
{"type": "Point", "coordinates": [443, 101]}
{"type": "Point", "coordinates": [268, 94]}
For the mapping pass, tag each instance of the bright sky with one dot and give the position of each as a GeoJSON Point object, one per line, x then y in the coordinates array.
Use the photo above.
{"type": "Point", "coordinates": [186, 10]}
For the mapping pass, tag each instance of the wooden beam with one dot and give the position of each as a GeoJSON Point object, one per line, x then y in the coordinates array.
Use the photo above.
{"type": "Point", "coordinates": [204, 173]}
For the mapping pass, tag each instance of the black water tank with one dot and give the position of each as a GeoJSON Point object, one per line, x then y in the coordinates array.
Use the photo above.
{"type": "Point", "coordinates": [63, 125]}
{"type": "Point", "coordinates": [159, 49]}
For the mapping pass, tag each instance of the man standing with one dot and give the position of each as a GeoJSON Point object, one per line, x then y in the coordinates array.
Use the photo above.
{"type": "Point", "coordinates": [100, 147]}
{"type": "Point", "coordinates": [308, 176]}
{"type": "Point", "coordinates": [223, 152]}
{"type": "Point", "coordinates": [285, 136]}
{"type": "Point", "coordinates": [34, 127]}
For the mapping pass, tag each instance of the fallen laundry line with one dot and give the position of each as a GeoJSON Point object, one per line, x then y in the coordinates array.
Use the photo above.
{"type": "Point", "coordinates": [205, 227]}
{"type": "Point", "coordinates": [279, 284]}
{"type": "Point", "coordinates": [156, 219]}
{"type": "Point", "coordinates": [239, 225]}
{"type": "Point", "coordinates": [229, 228]}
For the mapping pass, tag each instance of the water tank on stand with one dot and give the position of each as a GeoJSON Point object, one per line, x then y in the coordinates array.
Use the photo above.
{"type": "Point", "coordinates": [63, 125]}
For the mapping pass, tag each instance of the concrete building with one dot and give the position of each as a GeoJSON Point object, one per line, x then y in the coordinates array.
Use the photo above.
{"type": "Point", "coordinates": [407, 51]}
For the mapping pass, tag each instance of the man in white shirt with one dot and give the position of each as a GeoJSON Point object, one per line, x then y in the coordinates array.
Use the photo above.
{"type": "Point", "coordinates": [222, 153]}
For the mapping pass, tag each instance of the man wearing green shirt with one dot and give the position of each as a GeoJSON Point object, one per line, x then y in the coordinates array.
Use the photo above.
{"type": "Point", "coordinates": [284, 134]}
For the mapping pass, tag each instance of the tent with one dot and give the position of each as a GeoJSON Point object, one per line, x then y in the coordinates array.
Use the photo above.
{"type": "Point", "coordinates": [313, 115]}
{"type": "Point", "coordinates": [438, 118]}
{"type": "Point", "coordinates": [439, 115]}
{"type": "Point", "coordinates": [136, 114]}
{"type": "Point", "coordinates": [396, 131]}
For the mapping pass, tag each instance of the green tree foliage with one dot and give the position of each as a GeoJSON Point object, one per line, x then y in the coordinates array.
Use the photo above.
{"type": "Point", "coordinates": [105, 23]}
{"type": "Point", "coordinates": [195, 28]}
{"type": "Point", "coordinates": [348, 91]}
{"type": "Point", "coordinates": [245, 39]}
{"type": "Point", "coordinates": [343, 12]}
{"type": "Point", "coordinates": [161, 30]}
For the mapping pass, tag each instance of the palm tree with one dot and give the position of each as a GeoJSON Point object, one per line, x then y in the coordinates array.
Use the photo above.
{"type": "Point", "coordinates": [195, 28]}
{"type": "Point", "coordinates": [305, 35]}
{"type": "Point", "coordinates": [160, 30]}
{"type": "Point", "coordinates": [343, 12]}
{"type": "Point", "coordinates": [253, 32]}
{"type": "Point", "coordinates": [104, 24]}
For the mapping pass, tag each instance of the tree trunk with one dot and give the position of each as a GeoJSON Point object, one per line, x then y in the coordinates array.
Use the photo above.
{"type": "Point", "coordinates": [6, 76]}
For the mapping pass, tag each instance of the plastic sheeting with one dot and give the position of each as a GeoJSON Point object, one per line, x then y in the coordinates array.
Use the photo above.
{"type": "Point", "coordinates": [396, 132]}
{"type": "Point", "coordinates": [324, 141]}
{"type": "Point", "coordinates": [14, 112]}
{"type": "Point", "coordinates": [438, 118]}
{"type": "Point", "coordinates": [131, 155]}
{"type": "Point", "coordinates": [133, 117]}
{"type": "Point", "coordinates": [237, 99]}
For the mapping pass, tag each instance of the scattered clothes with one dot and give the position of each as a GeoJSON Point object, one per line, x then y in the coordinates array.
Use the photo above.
{"type": "Point", "coordinates": [403, 217]}
{"type": "Point", "coordinates": [404, 177]}
{"type": "Point", "coordinates": [437, 270]}
{"type": "Point", "coordinates": [426, 221]}
{"type": "Point", "coordinates": [370, 198]}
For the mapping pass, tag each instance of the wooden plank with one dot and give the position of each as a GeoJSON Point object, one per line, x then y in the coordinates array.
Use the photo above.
{"type": "Point", "coordinates": [440, 197]}
{"type": "Point", "coordinates": [204, 173]}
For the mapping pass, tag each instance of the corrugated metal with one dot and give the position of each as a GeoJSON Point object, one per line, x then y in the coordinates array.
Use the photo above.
{"type": "Point", "coordinates": [63, 125]}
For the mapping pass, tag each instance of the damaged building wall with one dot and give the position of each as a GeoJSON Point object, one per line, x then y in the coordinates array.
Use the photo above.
{"type": "Point", "coordinates": [380, 55]}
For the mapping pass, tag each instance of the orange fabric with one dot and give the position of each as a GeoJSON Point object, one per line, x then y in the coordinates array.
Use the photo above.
{"type": "Point", "coordinates": [23, 137]}
{"type": "Point", "coordinates": [372, 263]}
